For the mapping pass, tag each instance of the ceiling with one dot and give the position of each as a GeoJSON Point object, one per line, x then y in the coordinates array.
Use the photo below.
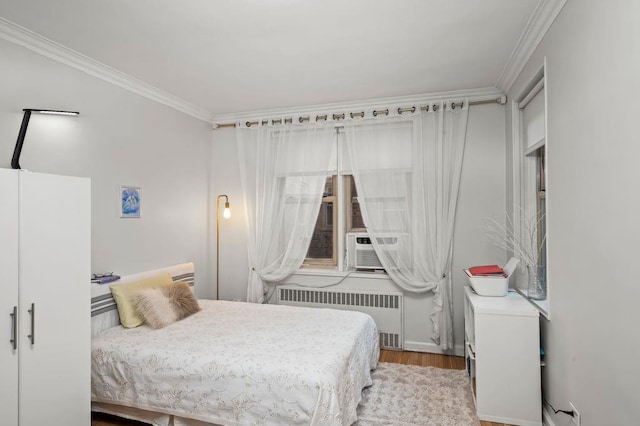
{"type": "Point", "coordinates": [245, 55]}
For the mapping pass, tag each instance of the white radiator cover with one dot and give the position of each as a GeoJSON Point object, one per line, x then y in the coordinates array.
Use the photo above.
{"type": "Point", "coordinates": [386, 308]}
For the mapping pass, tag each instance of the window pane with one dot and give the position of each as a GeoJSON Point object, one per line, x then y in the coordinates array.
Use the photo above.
{"type": "Point", "coordinates": [321, 247]}
{"type": "Point", "coordinates": [355, 214]}
{"type": "Point", "coordinates": [328, 187]}
{"type": "Point", "coordinates": [541, 206]}
{"type": "Point", "coordinates": [542, 181]}
{"type": "Point", "coordinates": [542, 228]}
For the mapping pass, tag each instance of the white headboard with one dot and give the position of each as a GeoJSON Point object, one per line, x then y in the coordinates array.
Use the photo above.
{"type": "Point", "coordinates": [104, 312]}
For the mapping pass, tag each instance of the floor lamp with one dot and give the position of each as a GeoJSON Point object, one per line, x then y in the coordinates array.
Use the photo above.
{"type": "Point", "coordinates": [226, 214]}
{"type": "Point", "coordinates": [15, 160]}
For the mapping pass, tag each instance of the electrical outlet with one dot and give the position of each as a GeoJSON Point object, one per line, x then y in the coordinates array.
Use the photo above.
{"type": "Point", "coordinates": [576, 415]}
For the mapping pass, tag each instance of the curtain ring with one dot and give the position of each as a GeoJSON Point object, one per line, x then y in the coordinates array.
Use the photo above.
{"type": "Point", "coordinates": [248, 124]}
{"type": "Point", "coordinates": [412, 109]}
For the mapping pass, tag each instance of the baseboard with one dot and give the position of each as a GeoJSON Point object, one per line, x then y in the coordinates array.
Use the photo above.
{"type": "Point", "coordinates": [546, 417]}
{"type": "Point", "coordinates": [432, 348]}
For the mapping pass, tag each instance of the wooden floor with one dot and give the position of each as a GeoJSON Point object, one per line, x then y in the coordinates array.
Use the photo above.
{"type": "Point", "coordinates": [398, 357]}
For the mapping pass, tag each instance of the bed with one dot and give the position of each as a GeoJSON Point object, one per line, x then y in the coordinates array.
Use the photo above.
{"type": "Point", "coordinates": [233, 363]}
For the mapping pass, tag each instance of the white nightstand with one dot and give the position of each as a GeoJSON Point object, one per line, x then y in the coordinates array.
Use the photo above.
{"type": "Point", "coordinates": [502, 351]}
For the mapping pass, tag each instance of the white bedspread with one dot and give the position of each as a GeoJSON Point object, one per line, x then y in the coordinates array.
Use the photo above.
{"type": "Point", "coordinates": [240, 363]}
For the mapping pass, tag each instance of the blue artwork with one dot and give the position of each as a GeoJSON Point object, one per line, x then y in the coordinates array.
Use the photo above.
{"type": "Point", "coordinates": [129, 201]}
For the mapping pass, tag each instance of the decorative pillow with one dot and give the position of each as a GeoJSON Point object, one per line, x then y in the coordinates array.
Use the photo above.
{"type": "Point", "coordinates": [123, 296]}
{"type": "Point", "coordinates": [154, 307]}
{"type": "Point", "coordinates": [182, 301]}
{"type": "Point", "coordinates": [162, 306]}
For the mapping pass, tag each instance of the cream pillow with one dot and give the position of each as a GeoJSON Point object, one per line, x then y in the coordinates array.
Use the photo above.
{"type": "Point", "coordinates": [182, 300]}
{"type": "Point", "coordinates": [123, 295]}
{"type": "Point", "coordinates": [162, 306]}
{"type": "Point", "coordinates": [154, 307]}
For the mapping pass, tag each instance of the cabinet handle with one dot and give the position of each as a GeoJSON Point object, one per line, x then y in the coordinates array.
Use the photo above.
{"type": "Point", "coordinates": [14, 328]}
{"type": "Point", "coordinates": [32, 336]}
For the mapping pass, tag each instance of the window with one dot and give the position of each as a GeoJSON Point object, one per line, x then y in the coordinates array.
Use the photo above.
{"type": "Point", "coordinates": [530, 158]}
{"type": "Point", "coordinates": [534, 149]}
{"type": "Point", "coordinates": [340, 220]}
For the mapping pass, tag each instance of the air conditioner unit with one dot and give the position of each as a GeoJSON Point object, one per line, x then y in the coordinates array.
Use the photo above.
{"type": "Point", "coordinates": [364, 256]}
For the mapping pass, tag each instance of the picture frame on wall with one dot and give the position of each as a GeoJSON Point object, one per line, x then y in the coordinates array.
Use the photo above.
{"type": "Point", "coordinates": [130, 199]}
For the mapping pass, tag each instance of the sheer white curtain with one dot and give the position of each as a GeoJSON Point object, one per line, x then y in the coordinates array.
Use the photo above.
{"type": "Point", "coordinates": [283, 170]}
{"type": "Point", "coordinates": [407, 173]}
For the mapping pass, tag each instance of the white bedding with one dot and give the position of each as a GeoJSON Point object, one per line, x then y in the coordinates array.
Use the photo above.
{"type": "Point", "coordinates": [240, 363]}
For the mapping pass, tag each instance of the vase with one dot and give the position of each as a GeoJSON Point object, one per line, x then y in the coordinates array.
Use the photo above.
{"type": "Point", "coordinates": [537, 285]}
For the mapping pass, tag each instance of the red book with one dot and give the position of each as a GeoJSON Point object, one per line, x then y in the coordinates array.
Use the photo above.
{"type": "Point", "coordinates": [486, 270]}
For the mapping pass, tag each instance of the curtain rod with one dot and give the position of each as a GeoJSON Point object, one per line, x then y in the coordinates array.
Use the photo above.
{"type": "Point", "coordinates": [501, 101]}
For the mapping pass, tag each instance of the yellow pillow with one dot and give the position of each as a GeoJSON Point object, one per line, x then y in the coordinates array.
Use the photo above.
{"type": "Point", "coordinates": [124, 294]}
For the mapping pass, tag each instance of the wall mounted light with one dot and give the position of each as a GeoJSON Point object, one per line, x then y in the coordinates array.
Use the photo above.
{"type": "Point", "coordinates": [15, 161]}
{"type": "Point", "coordinates": [226, 214]}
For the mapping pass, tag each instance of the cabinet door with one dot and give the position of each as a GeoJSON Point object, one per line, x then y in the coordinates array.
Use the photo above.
{"type": "Point", "coordinates": [9, 299]}
{"type": "Point", "coordinates": [55, 234]}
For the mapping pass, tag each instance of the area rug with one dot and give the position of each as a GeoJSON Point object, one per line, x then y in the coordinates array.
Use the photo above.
{"type": "Point", "coordinates": [409, 395]}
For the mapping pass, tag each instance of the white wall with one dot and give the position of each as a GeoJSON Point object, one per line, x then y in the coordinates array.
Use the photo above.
{"type": "Point", "coordinates": [593, 67]}
{"type": "Point", "coordinates": [481, 196]}
{"type": "Point", "coordinates": [119, 138]}
{"type": "Point", "coordinates": [234, 263]}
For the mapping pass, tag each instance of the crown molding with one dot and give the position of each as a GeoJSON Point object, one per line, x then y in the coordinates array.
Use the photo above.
{"type": "Point", "coordinates": [482, 94]}
{"type": "Point", "coordinates": [26, 38]}
{"type": "Point", "coordinates": [541, 19]}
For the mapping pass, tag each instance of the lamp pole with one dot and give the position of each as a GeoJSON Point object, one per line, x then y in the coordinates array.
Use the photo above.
{"type": "Point", "coordinates": [227, 215]}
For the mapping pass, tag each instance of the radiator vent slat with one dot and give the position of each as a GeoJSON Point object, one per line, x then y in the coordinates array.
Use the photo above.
{"type": "Point", "coordinates": [340, 298]}
{"type": "Point", "coordinates": [386, 309]}
{"type": "Point", "coordinates": [389, 340]}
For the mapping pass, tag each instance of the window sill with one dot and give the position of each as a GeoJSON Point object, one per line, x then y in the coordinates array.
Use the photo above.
{"type": "Point", "coordinates": [540, 305]}
{"type": "Point", "coordinates": [322, 272]}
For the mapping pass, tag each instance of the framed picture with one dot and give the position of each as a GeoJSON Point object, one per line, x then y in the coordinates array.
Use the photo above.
{"type": "Point", "coordinates": [129, 201]}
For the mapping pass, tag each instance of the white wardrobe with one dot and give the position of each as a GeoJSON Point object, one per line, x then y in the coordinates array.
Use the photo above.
{"type": "Point", "coordinates": [45, 268]}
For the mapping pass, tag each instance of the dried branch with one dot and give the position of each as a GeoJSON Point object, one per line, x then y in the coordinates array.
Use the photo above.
{"type": "Point", "coordinates": [526, 246]}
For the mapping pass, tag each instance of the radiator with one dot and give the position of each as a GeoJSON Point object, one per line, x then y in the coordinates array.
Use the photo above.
{"type": "Point", "coordinates": [384, 307]}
